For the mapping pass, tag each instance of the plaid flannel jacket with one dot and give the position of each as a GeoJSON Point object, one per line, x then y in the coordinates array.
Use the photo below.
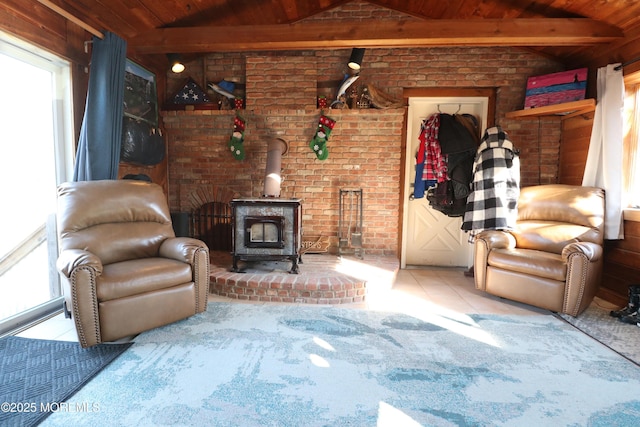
{"type": "Point", "coordinates": [493, 202]}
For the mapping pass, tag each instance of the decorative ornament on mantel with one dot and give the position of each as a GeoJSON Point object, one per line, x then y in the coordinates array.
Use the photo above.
{"type": "Point", "coordinates": [191, 94]}
{"type": "Point", "coordinates": [190, 97]}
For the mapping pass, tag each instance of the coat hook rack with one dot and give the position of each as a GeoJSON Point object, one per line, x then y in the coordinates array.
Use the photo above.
{"type": "Point", "coordinates": [457, 111]}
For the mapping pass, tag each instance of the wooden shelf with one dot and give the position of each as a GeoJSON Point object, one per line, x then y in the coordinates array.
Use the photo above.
{"type": "Point", "coordinates": [568, 109]}
{"type": "Point", "coordinates": [191, 107]}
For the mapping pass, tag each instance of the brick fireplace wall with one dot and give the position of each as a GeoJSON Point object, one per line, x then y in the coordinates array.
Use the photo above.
{"type": "Point", "coordinates": [357, 159]}
{"type": "Point", "coordinates": [366, 147]}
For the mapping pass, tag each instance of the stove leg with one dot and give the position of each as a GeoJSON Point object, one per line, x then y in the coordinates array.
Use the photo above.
{"type": "Point", "coordinates": [235, 264]}
{"type": "Point", "coordinates": [294, 265]}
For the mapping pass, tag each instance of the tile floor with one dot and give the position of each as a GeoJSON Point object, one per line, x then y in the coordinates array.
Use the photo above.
{"type": "Point", "coordinates": [440, 291]}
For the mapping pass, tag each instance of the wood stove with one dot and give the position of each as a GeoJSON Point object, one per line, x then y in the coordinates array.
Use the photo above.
{"type": "Point", "coordinates": [266, 229]}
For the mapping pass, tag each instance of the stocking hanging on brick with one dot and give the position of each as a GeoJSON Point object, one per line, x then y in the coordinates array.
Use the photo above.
{"type": "Point", "coordinates": [236, 140]}
{"type": "Point", "coordinates": [319, 141]}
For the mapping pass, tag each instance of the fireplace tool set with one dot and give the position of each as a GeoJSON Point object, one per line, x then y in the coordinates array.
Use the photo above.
{"type": "Point", "coordinates": [350, 223]}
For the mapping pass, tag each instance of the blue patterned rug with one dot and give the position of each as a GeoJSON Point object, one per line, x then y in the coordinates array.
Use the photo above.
{"type": "Point", "coordinates": [290, 365]}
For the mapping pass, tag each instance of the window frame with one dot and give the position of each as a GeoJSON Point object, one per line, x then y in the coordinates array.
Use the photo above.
{"type": "Point", "coordinates": [632, 83]}
{"type": "Point", "coordinates": [63, 158]}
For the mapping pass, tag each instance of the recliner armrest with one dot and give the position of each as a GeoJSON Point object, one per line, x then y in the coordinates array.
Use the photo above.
{"type": "Point", "coordinates": [71, 259]}
{"type": "Point", "coordinates": [485, 242]}
{"type": "Point", "coordinates": [592, 251]}
{"type": "Point", "coordinates": [584, 273]}
{"type": "Point", "coordinates": [181, 248]}
{"type": "Point", "coordinates": [497, 239]}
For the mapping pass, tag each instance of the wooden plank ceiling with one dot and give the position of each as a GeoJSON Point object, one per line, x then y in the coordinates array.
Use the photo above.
{"type": "Point", "coordinates": [561, 28]}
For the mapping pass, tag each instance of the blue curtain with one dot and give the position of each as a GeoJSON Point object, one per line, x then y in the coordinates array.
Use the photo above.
{"type": "Point", "coordinates": [98, 152]}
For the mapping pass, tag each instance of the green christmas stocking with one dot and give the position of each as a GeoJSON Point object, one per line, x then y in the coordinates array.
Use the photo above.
{"type": "Point", "coordinates": [237, 138]}
{"type": "Point", "coordinates": [319, 141]}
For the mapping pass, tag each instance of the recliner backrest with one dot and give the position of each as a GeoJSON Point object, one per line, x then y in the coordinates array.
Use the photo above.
{"type": "Point", "coordinates": [116, 220]}
{"type": "Point", "coordinates": [552, 216]}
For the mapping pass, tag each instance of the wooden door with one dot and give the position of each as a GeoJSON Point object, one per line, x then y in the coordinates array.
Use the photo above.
{"type": "Point", "coordinates": [430, 237]}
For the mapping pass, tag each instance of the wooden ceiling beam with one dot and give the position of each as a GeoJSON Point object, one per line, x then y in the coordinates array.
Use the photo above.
{"type": "Point", "coordinates": [441, 32]}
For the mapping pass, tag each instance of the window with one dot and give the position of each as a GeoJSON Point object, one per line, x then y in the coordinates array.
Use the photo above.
{"type": "Point", "coordinates": [36, 155]}
{"type": "Point", "coordinates": [631, 167]}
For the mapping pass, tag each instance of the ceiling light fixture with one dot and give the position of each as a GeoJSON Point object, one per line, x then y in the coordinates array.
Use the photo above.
{"type": "Point", "coordinates": [176, 63]}
{"type": "Point", "coordinates": [355, 60]}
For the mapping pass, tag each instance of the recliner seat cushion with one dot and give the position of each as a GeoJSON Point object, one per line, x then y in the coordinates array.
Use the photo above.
{"type": "Point", "coordinates": [127, 278]}
{"type": "Point", "coordinates": [528, 261]}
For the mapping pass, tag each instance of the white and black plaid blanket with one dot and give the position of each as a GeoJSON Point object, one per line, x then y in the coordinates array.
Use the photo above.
{"type": "Point", "coordinates": [493, 202]}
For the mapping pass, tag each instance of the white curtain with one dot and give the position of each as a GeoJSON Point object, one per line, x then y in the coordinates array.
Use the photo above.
{"type": "Point", "coordinates": [605, 157]}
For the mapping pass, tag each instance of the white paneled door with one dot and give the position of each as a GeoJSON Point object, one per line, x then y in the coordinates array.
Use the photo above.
{"type": "Point", "coordinates": [430, 237]}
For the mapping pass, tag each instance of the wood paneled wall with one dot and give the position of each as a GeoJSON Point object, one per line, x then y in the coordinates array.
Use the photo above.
{"type": "Point", "coordinates": [621, 257]}
{"type": "Point", "coordinates": [622, 264]}
{"type": "Point", "coordinates": [574, 145]}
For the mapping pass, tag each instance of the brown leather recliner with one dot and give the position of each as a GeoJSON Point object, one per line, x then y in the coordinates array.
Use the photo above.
{"type": "Point", "coordinates": [553, 258]}
{"type": "Point", "coordinates": [123, 269]}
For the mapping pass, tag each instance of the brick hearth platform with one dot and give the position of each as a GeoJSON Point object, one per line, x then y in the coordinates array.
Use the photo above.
{"type": "Point", "coordinates": [323, 278]}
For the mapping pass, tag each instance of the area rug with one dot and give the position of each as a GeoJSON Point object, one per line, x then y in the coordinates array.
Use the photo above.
{"type": "Point", "coordinates": [291, 365]}
{"type": "Point", "coordinates": [37, 376]}
{"type": "Point", "coordinates": [596, 322]}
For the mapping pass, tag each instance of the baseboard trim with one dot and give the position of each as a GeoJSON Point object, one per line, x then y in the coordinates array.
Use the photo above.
{"type": "Point", "coordinates": [612, 297]}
